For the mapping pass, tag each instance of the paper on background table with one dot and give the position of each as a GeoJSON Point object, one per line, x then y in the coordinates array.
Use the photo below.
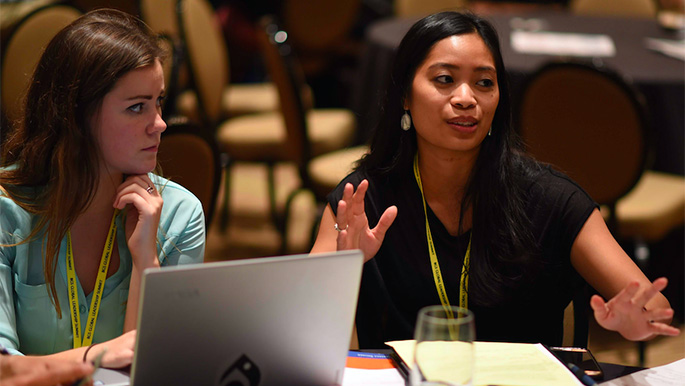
{"type": "Point", "coordinates": [672, 48]}
{"type": "Point", "coordinates": [672, 374]}
{"type": "Point", "coordinates": [510, 364]}
{"type": "Point", "coordinates": [564, 44]}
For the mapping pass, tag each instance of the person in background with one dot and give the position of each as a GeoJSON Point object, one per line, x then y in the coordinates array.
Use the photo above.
{"type": "Point", "coordinates": [82, 213]}
{"type": "Point", "coordinates": [447, 208]}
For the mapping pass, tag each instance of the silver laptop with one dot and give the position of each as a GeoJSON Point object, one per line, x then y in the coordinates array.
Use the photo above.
{"type": "Point", "coordinates": [267, 321]}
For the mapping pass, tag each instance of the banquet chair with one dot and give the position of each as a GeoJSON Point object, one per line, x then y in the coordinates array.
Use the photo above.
{"type": "Point", "coordinates": [22, 50]}
{"type": "Point", "coordinates": [160, 16]}
{"type": "Point", "coordinates": [625, 8]}
{"type": "Point", "coordinates": [327, 170]}
{"type": "Point", "coordinates": [321, 32]}
{"type": "Point", "coordinates": [189, 156]}
{"type": "Point", "coordinates": [295, 134]}
{"type": "Point", "coordinates": [589, 123]}
{"type": "Point", "coordinates": [195, 26]}
{"type": "Point", "coordinates": [171, 67]}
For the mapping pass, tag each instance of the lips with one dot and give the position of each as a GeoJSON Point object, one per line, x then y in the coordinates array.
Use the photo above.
{"type": "Point", "coordinates": [464, 124]}
{"type": "Point", "coordinates": [151, 148]}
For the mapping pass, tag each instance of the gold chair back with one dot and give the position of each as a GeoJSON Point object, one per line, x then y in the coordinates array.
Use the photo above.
{"type": "Point", "coordinates": [207, 55]}
{"type": "Point", "coordinates": [191, 158]}
{"type": "Point", "coordinates": [160, 16]}
{"type": "Point", "coordinates": [319, 25]}
{"type": "Point", "coordinates": [626, 8]}
{"type": "Point", "coordinates": [289, 80]}
{"type": "Point", "coordinates": [23, 50]}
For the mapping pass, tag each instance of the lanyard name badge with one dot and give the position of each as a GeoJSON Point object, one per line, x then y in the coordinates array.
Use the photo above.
{"type": "Point", "coordinates": [435, 266]}
{"type": "Point", "coordinates": [87, 338]}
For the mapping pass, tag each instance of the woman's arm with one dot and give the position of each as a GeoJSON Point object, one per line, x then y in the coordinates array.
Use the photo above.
{"type": "Point", "coordinates": [119, 352]}
{"type": "Point", "coordinates": [636, 309]}
{"type": "Point", "coordinates": [327, 235]}
{"type": "Point", "coordinates": [41, 371]}
{"type": "Point", "coordinates": [143, 204]}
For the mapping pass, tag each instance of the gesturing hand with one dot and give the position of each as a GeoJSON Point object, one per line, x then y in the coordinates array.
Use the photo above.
{"type": "Point", "coordinates": [144, 207]}
{"type": "Point", "coordinates": [354, 226]}
{"type": "Point", "coordinates": [626, 313]}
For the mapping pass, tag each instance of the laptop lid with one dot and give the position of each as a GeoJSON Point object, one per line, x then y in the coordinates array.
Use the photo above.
{"type": "Point", "coordinates": [267, 321]}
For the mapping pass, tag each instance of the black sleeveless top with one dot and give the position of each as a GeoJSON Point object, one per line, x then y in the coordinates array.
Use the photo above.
{"type": "Point", "coordinates": [398, 281]}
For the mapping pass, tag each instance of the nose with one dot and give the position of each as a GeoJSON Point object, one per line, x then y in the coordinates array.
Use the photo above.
{"type": "Point", "coordinates": [158, 125]}
{"type": "Point", "coordinates": [463, 97]}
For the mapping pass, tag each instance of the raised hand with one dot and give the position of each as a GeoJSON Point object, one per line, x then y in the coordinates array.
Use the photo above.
{"type": "Point", "coordinates": [626, 312]}
{"type": "Point", "coordinates": [353, 225]}
{"type": "Point", "coordinates": [144, 207]}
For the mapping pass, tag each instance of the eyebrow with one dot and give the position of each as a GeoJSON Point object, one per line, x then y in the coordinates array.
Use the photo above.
{"type": "Point", "coordinates": [148, 97]}
{"type": "Point", "coordinates": [452, 66]}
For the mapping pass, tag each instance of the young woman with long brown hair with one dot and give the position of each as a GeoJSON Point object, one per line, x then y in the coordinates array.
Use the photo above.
{"type": "Point", "coordinates": [82, 214]}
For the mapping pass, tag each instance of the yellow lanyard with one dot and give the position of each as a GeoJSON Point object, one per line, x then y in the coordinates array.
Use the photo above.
{"type": "Point", "coordinates": [87, 339]}
{"type": "Point", "coordinates": [437, 275]}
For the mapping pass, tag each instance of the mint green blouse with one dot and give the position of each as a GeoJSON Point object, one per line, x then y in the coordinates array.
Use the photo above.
{"type": "Point", "coordinates": [28, 320]}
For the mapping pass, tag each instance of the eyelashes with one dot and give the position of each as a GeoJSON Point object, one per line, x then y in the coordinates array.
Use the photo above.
{"type": "Point", "coordinates": [138, 107]}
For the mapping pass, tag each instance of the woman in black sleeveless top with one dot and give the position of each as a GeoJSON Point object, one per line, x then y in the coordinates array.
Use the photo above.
{"type": "Point", "coordinates": [445, 139]}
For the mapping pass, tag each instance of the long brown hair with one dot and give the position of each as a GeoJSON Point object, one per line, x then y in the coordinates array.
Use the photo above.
{"type": "Point", "coordinates": [50, 162]}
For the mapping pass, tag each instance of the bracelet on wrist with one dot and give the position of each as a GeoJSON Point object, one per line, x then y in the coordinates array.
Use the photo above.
{"type": "Point", "coordinates": [85, 353]}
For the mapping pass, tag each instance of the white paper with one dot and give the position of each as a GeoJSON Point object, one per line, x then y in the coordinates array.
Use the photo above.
{"type": "Point", "coordinates": [672, 374]}
{"type": "Point", "coordinates": [564, 44]}
{"type": "Point", "coordinates": [672, 48]}
{"type": "Point", "coordinates": [366, 377]}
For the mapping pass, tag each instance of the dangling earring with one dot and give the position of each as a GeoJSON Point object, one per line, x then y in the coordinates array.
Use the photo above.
{"type": "Point", "coordinates": [490, 131]}
{"type": "Point", "coordinates": [405, 122]}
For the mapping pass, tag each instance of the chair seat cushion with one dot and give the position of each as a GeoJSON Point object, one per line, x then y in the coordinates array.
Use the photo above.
{"type": "Point", "coordinates": [262, 137]}
{"type": "Point", "coordinates": [326, 171]}
{"type": "Point", "coordinates": [249, 98]}
{"type": "Point", "coordinates": [653, 208]}
{"type": "Point", "coordinates": [237, 99]}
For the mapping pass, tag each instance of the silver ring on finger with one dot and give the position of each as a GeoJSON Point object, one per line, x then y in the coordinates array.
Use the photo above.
{"type": "Point", "coordinates": [150, 189]}
{"type": "Point", "coordinates": [337, 228]}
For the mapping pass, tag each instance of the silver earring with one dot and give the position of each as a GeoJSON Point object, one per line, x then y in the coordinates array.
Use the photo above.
{"type": "Point", "coordinates": [405, 122]}
{"type": "Point", "coordinates": [490, 131]}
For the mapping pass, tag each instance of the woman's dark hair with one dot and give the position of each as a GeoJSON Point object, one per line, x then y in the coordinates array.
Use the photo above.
{"type": "Point", "coordinates": [501, 237]}
{"type": "Point", "coordinates": [51, 161]}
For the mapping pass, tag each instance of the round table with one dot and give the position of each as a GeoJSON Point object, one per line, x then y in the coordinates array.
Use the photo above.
{"type": "Point", "coordinates": [660, 78]}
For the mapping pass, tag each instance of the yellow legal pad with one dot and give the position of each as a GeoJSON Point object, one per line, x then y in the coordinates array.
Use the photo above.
{"type": "Point", "coordinates": [506, 364]}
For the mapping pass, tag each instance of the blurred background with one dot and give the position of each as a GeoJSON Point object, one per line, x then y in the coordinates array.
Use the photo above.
{"type": "Point", "coordinates": [270, 102]}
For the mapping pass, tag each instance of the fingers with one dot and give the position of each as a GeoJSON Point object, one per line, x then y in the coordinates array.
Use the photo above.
{"type": "Point", "coordinates": [635, 296]}
{"type": "Point", "coordinates": [358, 198]}
{"type": "Point", "coordinates": [599, 307]}
{"type": "Point", "coordinates": [660, 314]}
{"type": "Point", "coordinates": [657, 286]}
{"type": "Point", "coordinates": [351, 204]}
{"type": "Point", "coordinates": [384, 223]}
{"type": "Point", "coordinates": [139, 186]}
{"type": "Point", "coordinates": [627, 293]}
{"type": "Point", "coordinates": [626, 312]}
{"type": "Point", "coordinates": [664, 329]}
